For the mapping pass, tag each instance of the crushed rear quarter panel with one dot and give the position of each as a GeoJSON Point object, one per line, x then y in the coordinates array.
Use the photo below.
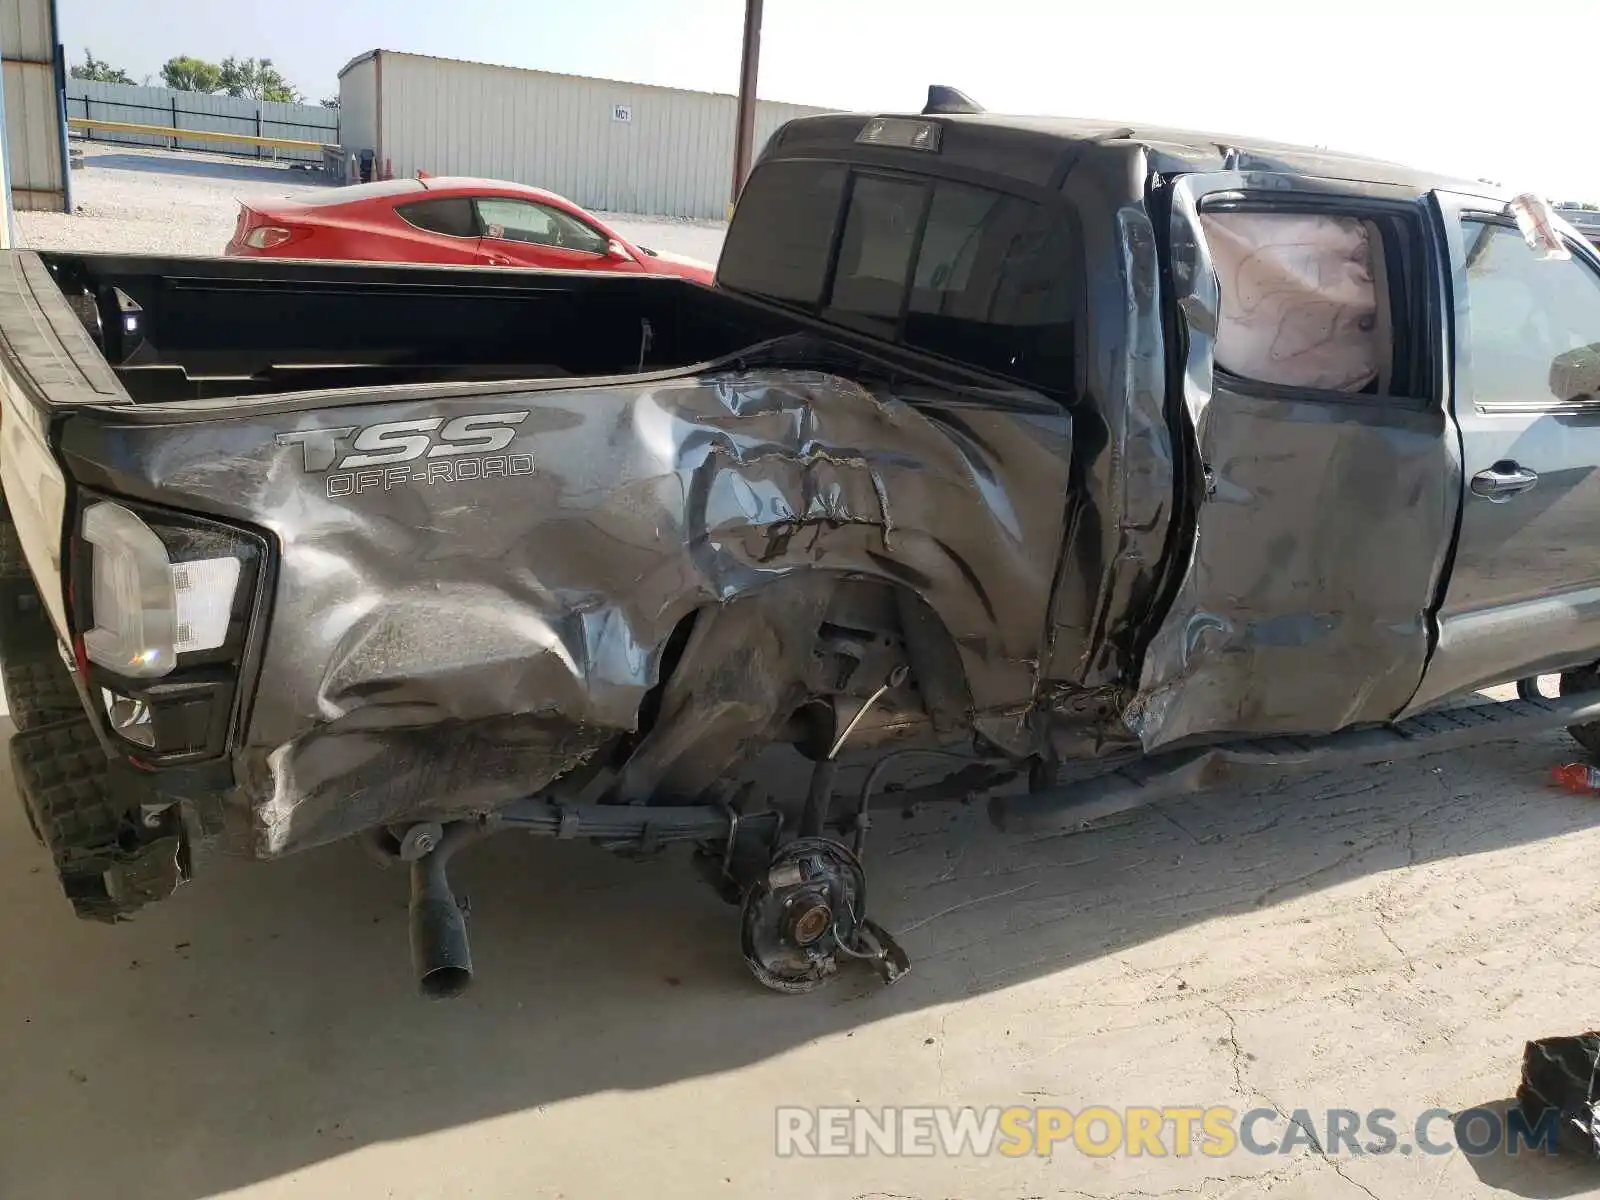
{"type": "Point", "coordinates": [451, 629]}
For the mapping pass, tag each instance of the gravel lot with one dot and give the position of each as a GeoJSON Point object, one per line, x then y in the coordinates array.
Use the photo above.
{"type": "Point", "coordinates": [1385, 938]}
{"type": "Point", "coordinates": [136, 201]}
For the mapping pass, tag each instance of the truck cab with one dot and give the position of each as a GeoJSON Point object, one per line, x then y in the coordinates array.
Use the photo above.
{"type": "Point", "coordinates": [1336, 420]}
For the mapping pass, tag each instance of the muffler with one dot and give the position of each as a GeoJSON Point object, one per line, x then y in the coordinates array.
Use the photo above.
{"type": "Point", "coordinates": [441, 953]}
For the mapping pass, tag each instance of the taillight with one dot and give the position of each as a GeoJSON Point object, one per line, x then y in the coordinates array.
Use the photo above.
{"type": "Point", "coordinates": [148, 609]}
{"type": "Point", "coordinates": [265, 237]}
{"type": "Point", "coordinates": [163, 622]}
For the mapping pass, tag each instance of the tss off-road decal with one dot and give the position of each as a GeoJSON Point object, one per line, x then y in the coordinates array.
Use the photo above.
{"type": "Point", "coordinates": [427, 450]}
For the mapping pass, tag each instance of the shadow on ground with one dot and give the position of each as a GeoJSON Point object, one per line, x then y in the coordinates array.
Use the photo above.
{"type": "Point", "coordinates": [220, 168]}
{"type": "Point", "coordinates": [278, 999]}
{"type": "Point", "coordinates": [1531, 1171]}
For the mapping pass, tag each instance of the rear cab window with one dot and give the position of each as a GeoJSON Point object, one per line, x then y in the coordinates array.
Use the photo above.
{"type": "Point", "coordinates": [967, 272]}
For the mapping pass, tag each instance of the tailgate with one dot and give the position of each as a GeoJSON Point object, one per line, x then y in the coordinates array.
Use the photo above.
{"type": "Point", "coordinates": [48, 365]}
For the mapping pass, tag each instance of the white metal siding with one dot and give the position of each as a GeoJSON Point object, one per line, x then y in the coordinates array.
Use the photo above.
{"type": "Point", "coordinates": [673, 157]}
{"type": "Point", "coordinates": [358, 108]}
{"type": "Point", "coordinates": [197, 110]}
{"type": "Point", "coordinates": [32, 105]}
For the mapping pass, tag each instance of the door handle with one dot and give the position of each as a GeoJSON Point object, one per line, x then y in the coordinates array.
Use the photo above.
{"type": "Point", "coordinates": [1502, 481]}
{"type": "Point", "coordinates": [496, 260]}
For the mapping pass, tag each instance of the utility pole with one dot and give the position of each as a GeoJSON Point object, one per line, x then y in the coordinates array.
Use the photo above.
{"type": "Point", "coordinates": [745, 133]}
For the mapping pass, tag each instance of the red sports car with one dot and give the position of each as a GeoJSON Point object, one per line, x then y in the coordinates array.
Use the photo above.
{"type": "Point", "coordinates": [473, 222]}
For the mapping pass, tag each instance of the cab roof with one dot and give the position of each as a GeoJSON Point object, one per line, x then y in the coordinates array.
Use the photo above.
{"type": "Point", "coordinates": [1039, 151]}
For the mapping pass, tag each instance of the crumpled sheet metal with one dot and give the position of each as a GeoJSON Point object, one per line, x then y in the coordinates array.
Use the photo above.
{"type": "Point", "coordinates": [449, 647]}
{"type": "Point", "coordinates": [1122, 514]}
{"type": "Point", "coordinates": [1286, 620]}
{"type": "Point", "coordinates": [1137, 475]}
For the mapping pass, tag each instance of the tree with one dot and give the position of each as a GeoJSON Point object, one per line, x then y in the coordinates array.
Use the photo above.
{"type": "Point", "coordinates": [330, 102]}
{"type": "Point", "coordinates": [99, 71]}
{"type": "Point", "coordinates": [256, 79]}
{"type": "Point", "coordinates": [186, 74]}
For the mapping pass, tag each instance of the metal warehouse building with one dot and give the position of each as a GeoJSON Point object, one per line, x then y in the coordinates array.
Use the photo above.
{"type": "Point", "coordinates": [33, 126]}
{"type": "Point", "coordinates": [621, 147]}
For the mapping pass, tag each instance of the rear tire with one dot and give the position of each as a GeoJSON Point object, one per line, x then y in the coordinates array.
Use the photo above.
{"type": "Point", "coordinates": [63, 781]}
{"type": "Point", "coordinates": [40, 692]}
{"type": "Point", "coordinates": [70, 810]}
{"type": "Point", "coordinates": [1574, 683]}
{"type": "Point", "coordinates": [39, 688]}
{"type": "Point", "coordinates": [33, 821]}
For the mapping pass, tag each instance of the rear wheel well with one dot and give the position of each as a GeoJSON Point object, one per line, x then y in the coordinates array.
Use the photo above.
{"type": "Point", "coordinates": [867, 628]}
{"type": "Point", "coordinates": [894, 626]}
{"type": "Point", "coordinates": [666, 662]}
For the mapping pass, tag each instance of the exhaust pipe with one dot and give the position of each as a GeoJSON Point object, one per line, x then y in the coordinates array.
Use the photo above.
{"type": "Point", "coordinates": [441, 953]}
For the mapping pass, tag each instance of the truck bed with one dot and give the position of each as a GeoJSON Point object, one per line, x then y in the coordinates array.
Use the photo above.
{"type": "Point", "coordinates": [451, 595]}
{"type": "Point", "coordinates": [176, 329]}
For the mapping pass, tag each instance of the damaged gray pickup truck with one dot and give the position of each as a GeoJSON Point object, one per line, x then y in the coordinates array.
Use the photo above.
{"type": "Point", "coordinates": [1109, 462]}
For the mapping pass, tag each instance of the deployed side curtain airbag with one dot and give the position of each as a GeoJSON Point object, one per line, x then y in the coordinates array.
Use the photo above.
{"type": "Point", "coordinates": [1299, 305]}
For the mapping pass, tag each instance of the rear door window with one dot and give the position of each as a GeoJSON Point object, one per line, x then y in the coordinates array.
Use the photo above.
{"type": "Point", "coordinates": [1320, 295]}
{"type": "Point", "coordinates": [1300, 298]}
{"type": "Point", "coordinates": [449, 215]}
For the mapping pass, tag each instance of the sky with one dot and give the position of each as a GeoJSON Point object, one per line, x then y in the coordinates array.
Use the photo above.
{"type": "Point", "coordinates": [1484, 92]}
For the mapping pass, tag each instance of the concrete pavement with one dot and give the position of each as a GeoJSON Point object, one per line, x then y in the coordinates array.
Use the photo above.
{"type": "Point", "coordinates": [1379, 939]}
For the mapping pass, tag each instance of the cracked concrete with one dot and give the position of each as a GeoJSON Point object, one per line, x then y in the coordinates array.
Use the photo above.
{"type": "Point", "coordinates": [1381, 939]}
{"type": "Point", "coordinates": [1298, 1118]}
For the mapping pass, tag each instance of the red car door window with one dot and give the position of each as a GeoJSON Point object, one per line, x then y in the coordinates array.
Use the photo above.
{"type": "Point", "coordinates": [440, 230]}
{"type": "Point", "coordinates": [534, 234]}
{"type": "Point", "coordinates": [451, 216]}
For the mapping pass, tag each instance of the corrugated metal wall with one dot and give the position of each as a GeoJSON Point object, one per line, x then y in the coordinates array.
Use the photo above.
{"type": "Point", "coordinates": [358, 107]}
{"type": "Point", "coordinates": [607, 145]}
{"type": "Point", "coordinates": [197, 110]}
{"type": "Point", "coordinates": [35, 147]}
